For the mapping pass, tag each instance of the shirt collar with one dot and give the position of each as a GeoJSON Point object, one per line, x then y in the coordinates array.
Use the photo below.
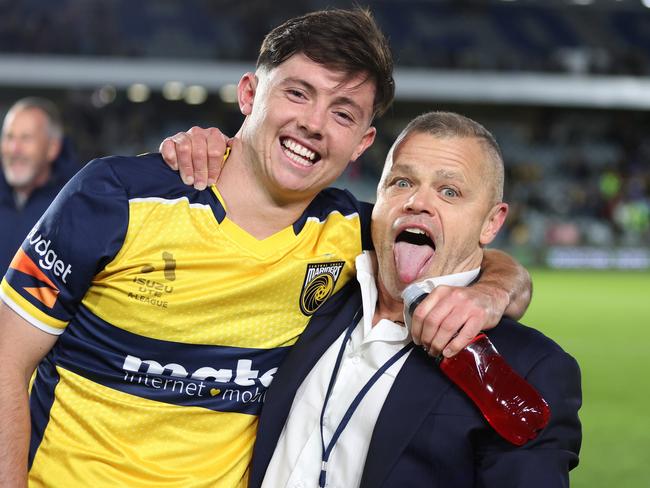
{"type": "Point", "coordinates": [457, 279]}
{"type": "Point", "coordinates": [366, 277]}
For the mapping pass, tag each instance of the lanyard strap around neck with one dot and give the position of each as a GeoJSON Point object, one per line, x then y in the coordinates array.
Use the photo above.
{"type": "Point", "coordinates": [327, 450]}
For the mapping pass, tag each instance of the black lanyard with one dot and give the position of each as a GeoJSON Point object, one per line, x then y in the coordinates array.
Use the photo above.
{"type": "Point", "coordinates": [355, 403]}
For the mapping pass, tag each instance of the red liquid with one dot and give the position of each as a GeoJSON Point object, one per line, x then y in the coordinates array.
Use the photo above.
{"type": "Point", "coordinates": [508, 402]}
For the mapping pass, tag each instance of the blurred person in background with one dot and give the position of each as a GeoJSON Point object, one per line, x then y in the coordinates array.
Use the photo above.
{"type": "Point", "coordinates": [36, 162]}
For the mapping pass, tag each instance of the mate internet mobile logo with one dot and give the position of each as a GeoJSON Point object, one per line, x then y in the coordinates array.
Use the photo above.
{"type": "Point", "coordinates": [320, 280]}
{"type": "Point", "coordinates": [152, 291]}
{"type": "Point", "coordinates": [242, 384]}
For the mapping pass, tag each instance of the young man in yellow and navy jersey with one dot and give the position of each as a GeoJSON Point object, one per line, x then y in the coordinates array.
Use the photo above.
{"type": "Point", "coordinates": [157, 314]}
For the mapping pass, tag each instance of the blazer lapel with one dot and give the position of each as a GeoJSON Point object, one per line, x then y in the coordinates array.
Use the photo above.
{"type": "Point", "coordinates": [417, 387]}
{"type": "Point", "coordinates": [324, 328]}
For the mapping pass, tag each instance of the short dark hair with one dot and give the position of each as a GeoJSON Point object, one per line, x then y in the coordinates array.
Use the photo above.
{"type": "Point", "coordinates": [344, 40]}
{"type": "Point", "coordinates": [450, 124]}
{"type": "Point", "coordinates": [49, 108]}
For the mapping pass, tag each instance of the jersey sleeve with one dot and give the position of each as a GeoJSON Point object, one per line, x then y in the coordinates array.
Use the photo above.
{"type": "Point", "coordinates": [81, 231]}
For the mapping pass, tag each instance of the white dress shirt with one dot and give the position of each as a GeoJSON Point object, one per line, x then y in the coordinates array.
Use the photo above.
{"type": "Point", "coordinates": [296, 461]}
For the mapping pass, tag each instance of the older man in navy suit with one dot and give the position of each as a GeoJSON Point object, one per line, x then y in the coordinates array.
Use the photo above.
{"type": "Point", "coordinates": [355, 404]}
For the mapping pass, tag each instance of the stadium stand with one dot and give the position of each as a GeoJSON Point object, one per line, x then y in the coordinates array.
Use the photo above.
{"type": "Point", "coordinates": [580, 176]}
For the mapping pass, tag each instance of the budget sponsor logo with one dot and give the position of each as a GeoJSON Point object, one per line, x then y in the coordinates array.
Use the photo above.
{"type": "Point", "coordinates": [49, 257]}
{"type": "Point", "coordinates": [42, 288]}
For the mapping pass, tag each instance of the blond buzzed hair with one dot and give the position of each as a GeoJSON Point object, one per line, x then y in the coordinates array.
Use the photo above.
{"type": "Point", "coordinates": [450, 124]}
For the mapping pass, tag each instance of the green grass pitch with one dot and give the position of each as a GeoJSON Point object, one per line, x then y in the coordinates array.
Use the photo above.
{"type": "Point", "coordinates": [602, 318]}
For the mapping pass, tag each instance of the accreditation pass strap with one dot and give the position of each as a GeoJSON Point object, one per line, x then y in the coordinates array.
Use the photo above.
{"type": "Point", "coordinates": [327, 450]}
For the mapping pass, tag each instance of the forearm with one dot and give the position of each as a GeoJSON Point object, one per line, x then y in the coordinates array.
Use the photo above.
{"type": "Point", "coordinates": [14, 431]}
{"type": "Point", "coordinates": [507, 281]}
{"type": "Point", "coordinates": [22, 346]}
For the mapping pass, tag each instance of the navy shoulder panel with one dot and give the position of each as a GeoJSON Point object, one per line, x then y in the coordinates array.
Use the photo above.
{"type": "Point", "coordinates": [147, 176]}
{"type": "Point", "coordinates": [327, 201]}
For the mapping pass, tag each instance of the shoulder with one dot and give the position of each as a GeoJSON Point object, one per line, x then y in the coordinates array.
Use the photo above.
{"type": "Point", "coordinates": [556, 375]}
{"type": "Point", "coordinates": [336, 200]}
{"type": "Point", "coordinates": [106, 186]}
{"type": "Point", "coordinates": [5, 191]}
{"type": "Point", "coordinates": [146, 175]}
{"type": "Point", "coordinates": [523, 346]}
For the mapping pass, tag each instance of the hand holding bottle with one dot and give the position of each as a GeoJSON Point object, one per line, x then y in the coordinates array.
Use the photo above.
{"type": "Point", "coordinates": [508, 402]}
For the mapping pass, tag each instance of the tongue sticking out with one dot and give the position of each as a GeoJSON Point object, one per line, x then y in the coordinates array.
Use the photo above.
{"type": "Point", "coordinates": [410, 259]}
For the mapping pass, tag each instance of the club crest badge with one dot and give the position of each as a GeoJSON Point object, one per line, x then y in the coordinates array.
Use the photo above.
{"type": "Point", "coordinates": [319, 284]}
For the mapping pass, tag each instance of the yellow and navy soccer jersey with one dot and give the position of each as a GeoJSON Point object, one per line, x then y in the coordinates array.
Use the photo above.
{"type": "Point", "coordinates": [172, 323]}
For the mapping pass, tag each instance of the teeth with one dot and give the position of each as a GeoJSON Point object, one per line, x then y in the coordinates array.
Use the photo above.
{"type": "Point", "coordinates": [413, 230]}
{"type": "Point", "coordinates": [299, 149]}
{"type": "Point", "coordinates": [297, 159]}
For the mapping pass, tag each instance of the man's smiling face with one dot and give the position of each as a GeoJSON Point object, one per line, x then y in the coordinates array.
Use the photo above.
{"type": "Point", "coordinates": [305, 123]}
{"type": "Point", "coordinates": [28, 148]}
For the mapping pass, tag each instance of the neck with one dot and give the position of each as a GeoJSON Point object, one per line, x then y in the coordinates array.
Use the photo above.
{"type": "Point", "coordinates": [20, 197]}
{"type": "Point", "coordinates": [249, 202]}
{"type": "Point", "coordinates": [387, 307]}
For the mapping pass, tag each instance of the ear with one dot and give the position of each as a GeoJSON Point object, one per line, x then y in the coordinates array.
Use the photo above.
{"type": "Point", "coordinates": [246, 92]}
{"type": "Point", "coordinates": [366, 141]}
{"type": "Point", "coordinates": [493, 223]}
{"type": "Point", "coordinates": [54, 148]}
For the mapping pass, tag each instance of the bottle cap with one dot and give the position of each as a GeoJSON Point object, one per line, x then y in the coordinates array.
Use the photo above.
{"type": "Point", "coordinates": [415, 290]}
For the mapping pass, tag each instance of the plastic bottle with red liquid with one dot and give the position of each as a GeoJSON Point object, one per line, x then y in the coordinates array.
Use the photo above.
{"type": "Point", "coordinates": [514, 409]}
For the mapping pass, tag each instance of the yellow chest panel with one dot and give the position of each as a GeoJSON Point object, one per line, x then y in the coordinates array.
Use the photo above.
{"type": "Point", "coordinates": [181, 276]}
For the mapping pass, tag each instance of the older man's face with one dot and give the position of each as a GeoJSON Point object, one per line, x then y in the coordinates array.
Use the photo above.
{"type": "Point", "coordinates": [434, 210]}
{"type": "Point", "coordinates": [28, 150]}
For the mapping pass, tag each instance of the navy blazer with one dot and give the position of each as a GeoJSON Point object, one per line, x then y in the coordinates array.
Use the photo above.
{"type": "Point", "coordinates": [428, 433]}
